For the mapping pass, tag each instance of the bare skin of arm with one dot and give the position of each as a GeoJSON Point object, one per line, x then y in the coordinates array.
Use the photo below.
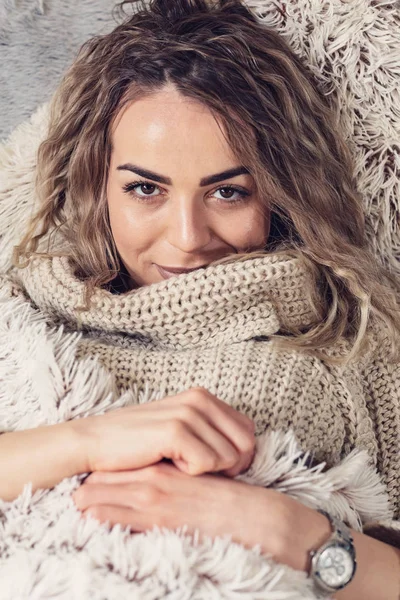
{"type": "Point", "coordinates": [378, 571]}
{"type": "Point", "coordinates": [44, 456]}
{"type": "Point", "coordinates": [378, 564]}
{"type": "Point", "coordinates": [194, 429]}
{"type": "Point", "coordinates": [47, 454]}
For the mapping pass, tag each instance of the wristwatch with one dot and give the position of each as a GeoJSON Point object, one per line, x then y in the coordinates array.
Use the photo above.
{"type": "Point", "coordinates": [334, 564]}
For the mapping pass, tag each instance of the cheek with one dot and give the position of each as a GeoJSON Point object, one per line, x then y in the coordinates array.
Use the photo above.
{"type": "Point", "coordinates": [254, 229]}
{"type": "Point", "coordinates": [129, 233]}
{"type": "Point", "coordinates": [126, 227]}
{"type": "Point", "coordinates": [117, 223]}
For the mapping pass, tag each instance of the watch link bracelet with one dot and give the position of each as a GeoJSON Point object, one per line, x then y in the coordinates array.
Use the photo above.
{"type": "Point", "coordinates": [334, 564]}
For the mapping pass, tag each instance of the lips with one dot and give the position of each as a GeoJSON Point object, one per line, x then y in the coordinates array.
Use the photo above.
{"type": "Point", "coordinates": [167, 274]}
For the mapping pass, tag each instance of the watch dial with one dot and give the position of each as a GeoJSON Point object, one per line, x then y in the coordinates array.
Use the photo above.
{"type": "Point", "coordinates": [335, 566]}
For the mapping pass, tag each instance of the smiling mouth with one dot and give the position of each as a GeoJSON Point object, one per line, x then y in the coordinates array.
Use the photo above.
{"type": "Point", "coordinates": [175, 271]}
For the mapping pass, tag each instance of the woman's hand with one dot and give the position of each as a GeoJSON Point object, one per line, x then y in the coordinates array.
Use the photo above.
{"type": "Point", "coordinates": [194, 429]}
{"type": "Point", "coordinates": [215, 505]}
{"type": "Point", "coordinates": [163, 495]}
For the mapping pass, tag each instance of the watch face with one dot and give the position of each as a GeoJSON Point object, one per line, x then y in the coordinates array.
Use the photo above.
{"type": "Point", "coordinates": [335, 566]}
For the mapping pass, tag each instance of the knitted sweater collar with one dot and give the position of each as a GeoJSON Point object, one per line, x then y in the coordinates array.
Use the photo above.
{"type": "Point", "coordinates": [210, 307]}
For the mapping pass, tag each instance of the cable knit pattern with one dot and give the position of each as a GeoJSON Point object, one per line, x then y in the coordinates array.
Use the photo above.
{"type": "Point", "coordinates": [382, 385]}
{"type": "Point", "coordinates": [212, 328]}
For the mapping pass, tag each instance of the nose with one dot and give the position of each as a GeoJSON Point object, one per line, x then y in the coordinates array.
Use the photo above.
{"type": "Point", "coordinates": [188, 225]}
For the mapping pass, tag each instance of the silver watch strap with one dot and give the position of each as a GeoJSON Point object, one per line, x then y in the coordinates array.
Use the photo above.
{"type": "Point", "coordinates": [341, 534]}
{"type": "Point", "coordinates": [340, 530]}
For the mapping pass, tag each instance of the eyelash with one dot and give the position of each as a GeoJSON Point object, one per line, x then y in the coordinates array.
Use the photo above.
{"type": "Point", "coordinates": [129, 188]}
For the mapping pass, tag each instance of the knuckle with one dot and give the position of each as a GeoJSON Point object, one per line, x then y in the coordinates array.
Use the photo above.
{"type": "Point", "coordinates": [161, 519]}
{"type": "Point", "coordinates": [187, 413]}
{"type": "Point", "coordinates": [94, 477]}
{"type": "Point", "coordinates": [147, 495]}
{"type": "Point", "coordinates": [251, 424]}
{"type": "Point", "coordinates": [212, 463]}
{"type": "Point", "coordinates": [96, 512]}
{"type": "Point", "coordinates": [199, 389]}
{"type": "Point", "coordinates": [229, 464]}
{"type": "Point", "coordinates": [233, 457]}
{"type": "Point", "coordinates": [205, 465]}
{"type": "Point", "coordinates": [177, 428]}
{"type": "Point", "coordinates": [246, 421]}
{"type": "Point", "coordinates": [193, 469]}
{"type": "Point", "coordinates": [248, 446]}
{"type": "Point", "coordinates": [82, 495]}
{"type": "Point", "coordinates": [158, 470]}
{"type": "Point", "coordinates": [200, 394]}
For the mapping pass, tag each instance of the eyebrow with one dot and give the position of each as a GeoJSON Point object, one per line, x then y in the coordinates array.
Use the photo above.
{"type": "Point", "coordinates": [168, 181]}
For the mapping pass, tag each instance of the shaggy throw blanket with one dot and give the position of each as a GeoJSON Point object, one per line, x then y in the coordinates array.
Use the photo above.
{"type": "Point", "coordinates": [47, 550]}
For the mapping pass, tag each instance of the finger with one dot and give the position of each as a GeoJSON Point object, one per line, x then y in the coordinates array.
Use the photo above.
{"type": "Point", "coordinates": [228, 433]}
{"type": "Point", "coordinates": [204, 445]}
{"type": "Point", "coordinates": [110, 477]}
{"type": "Point", "coordinates": [128, 495]}
{"type": "Point", "coordinates": [143, 474]}
{"type": "Point", "coordinates": [194, 394]}
{"type": "Point", "coordinates": [233, 472]}
{"type": "Point", "coordinates": [236, 427]}
{"type": "Point", "coordinates": [128, 517]}
{"type": "Point", "coordinates": [115, 515]}
{"type": "Point", "coordinates": [195, 443]}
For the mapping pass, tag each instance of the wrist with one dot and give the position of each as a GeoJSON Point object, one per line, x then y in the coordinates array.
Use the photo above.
{"type": "Point", "coordinates": [309, 530]}
{"type": "Point", "coordinates": [291, 530]}
{"type": "Point", "coordinates": [79, 444]}
{"type": "Point", "coordinates": [319, 531]}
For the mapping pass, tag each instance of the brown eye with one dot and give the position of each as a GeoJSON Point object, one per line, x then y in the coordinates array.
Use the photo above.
{"type": "Point", "coordinates": [146, 186]}
{"type": "Point", "coordinates": [227, 192]}
{"type": "Point", "coordinates": [227, 197]}
{"type": "Point", "coordinates": [141, 189]}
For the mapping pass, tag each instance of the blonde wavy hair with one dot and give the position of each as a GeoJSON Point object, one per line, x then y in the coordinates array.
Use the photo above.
{"type": "Point", "coordinates": [278, 124]}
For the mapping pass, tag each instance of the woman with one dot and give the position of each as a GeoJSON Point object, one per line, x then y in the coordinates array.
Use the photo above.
{"type": "Point", "coordinates": [191, 137]}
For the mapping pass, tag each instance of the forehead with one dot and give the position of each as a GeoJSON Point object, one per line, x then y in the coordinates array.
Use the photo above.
{"type": "Point", "coordinates": [167, 124]}
{"type": "Point", "coordinates": [167, 102]}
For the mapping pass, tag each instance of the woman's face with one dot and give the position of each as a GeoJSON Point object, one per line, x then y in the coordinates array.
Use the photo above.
{"type": "Point", "coordinates": [170, 198]}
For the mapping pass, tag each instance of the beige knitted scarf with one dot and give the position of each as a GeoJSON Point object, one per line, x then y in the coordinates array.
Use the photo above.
{"type": "Point", "coordinates": [221, 304]}
{"type": "Point", "coordinates": [46, 549]}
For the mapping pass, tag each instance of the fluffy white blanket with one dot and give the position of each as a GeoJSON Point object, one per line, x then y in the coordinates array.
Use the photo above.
{"type": "Point", "coordinates": [47, 550]}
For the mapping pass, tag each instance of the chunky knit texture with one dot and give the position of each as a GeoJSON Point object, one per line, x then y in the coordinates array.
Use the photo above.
{"type": "Point", "coordinates": [212, 328]}
{"type": "Point", "coordinates": [353, 50]}
{"type": "Point", "coordinates": [49, 374]}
